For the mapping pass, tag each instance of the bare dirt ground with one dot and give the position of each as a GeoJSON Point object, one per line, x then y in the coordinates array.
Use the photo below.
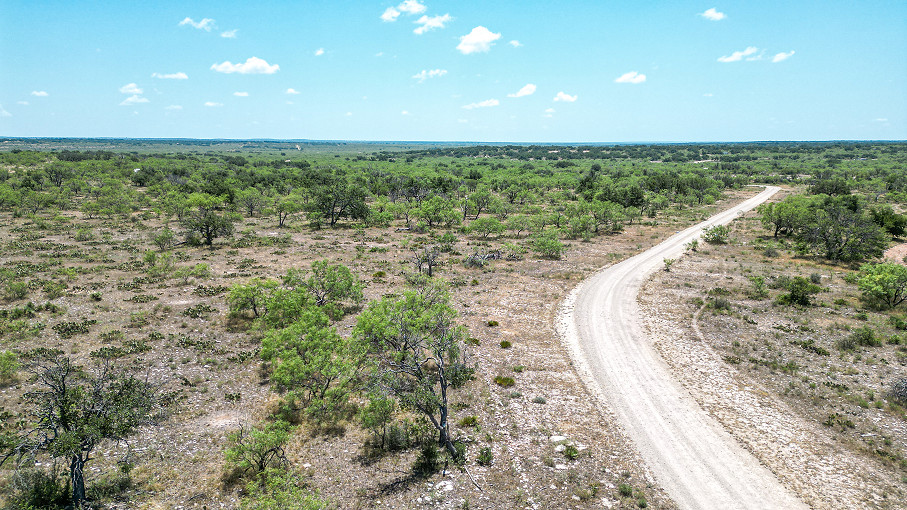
{"type": "Point", "coordinates": [897, 254]}
{"type": "Point", "coordinates": [814, 415]}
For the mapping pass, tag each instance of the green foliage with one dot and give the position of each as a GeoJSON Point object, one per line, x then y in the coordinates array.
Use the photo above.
{"type": "Point", "coordinates": [165, 239]}
{"type": "Point", "coordinates": [312, 362]}
{"type": "Point", "coordinates": [899, 391]}
{"type": "Point", "coordinates": [71, 329]}
{"type": "Point", "coordinates": [429, 460]}
{"type": "Point", "coordinates": [252, 296]}
{"type": "Point", "coordinates": [73, 411]}
{"type": "Point", "coordinates": [9, 366]}
{"type": "Point", "coordinates": [277, 488]}
{"type": "Point", "coordinates": [883, 284]}
{"type": "Point", "coordinates": [252, 450]}
{"type": "Point", "coordinates": [799, 292]}
{"type": "Point", "coordinates": [33, 489]}
{"type": "Point", "coordinates": [717, 234]}
{"type": "Point", "coordinates": [571, 452]}
{"type": "Point", "coordinates": [485, 226]}
{"type": "Point", "coordinates": [504, 381]}
{"type": "Point", "coordinates": [668, 263]}
{"type": "Point", "coordinates": [416, 351]}
{"type": "Point", "coordinates": [376, 416]}
{"type": "Point", "coordinates": [758, 288]}
{"type": "Point", "coordinates": [547, 245]}
{"type": "Point", "coordinates": [486, 457]}
{"type": "Point", "coordinates": [208, 218]}
{"type": "Point", "coordinates": [15, 290]}
{"type": "Point", "coordinates": [330, 284]}
{"type": "Point", "coordinates": [864, 336]}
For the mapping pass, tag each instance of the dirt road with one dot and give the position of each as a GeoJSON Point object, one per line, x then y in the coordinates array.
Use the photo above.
{"type": "Point", "coordinates": [696, 460]}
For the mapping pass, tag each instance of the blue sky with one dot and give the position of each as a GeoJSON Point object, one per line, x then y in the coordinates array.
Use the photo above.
{"type": "Point", "coordinates": [529, 71]}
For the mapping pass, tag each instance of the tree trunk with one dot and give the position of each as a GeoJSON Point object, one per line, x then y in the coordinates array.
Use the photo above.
{"type": "Point", "coordinates": [77, 480]}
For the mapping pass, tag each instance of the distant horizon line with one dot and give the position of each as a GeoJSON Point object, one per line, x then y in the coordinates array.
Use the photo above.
{"type": "Point", "coordinates": [440, 142]}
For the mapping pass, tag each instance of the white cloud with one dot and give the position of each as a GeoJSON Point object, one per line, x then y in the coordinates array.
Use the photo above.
{"type": "Point", "coordinates": [425, 23]}
{"type": "Point", "coordinates": [205, 24]}
{"type": "Point", "coordinates": [527, 90]}
{"type": "Point", "coordinates": [241, 94]}
{"type": "Point", "coordinates": [479, 40]}
{"type": "Point", "coordinates": [253, 65]}
{"type": "Point", "coordinates": [404, 112]}
{"type": "Point", "coordinates": [412, 7]}
{"type": "Point", "coordinates": [515, 43]}
{"type": "Point", "coordinates": [134, 99]}
{"type": "Point", "coordinates": [708, 94]}
{"type": "Point", "coordinates": [483, 104]}
{"type": "Point", "coordinates": [880, 119]}
{"type": "Point", "coordinates": [23, 103]}
{"type": "Point", "coordinates": [174, 107]}
{"type": "Point", "coordinates": [171, 76]}
{"type": "Point", "coordinates": [4, 113]}
{"type": "Point", "coordinates": [424, 74]}
{"type": "Point", "coordinates": [713, 14]}
{"type": "Point", "coordinates": [349, 114]}
{"type": "Point", "coordinates": [550, 110]}
{"type": "Point", "coordinates": [212, 104]}
{"type": "Point", "coordinates": [567, 98]}
{"type": "Point", "coordinates": [39, 93]}
{"type": "Point", "coordinates": [292, 91]}
{"type": "Point", "coordinates": [631, 77]}
{"type": "Point", "coordinates": [390, 14]}
{"type": "Point", "coordinates": [780, 57]}
{"type": "Point", "coordinates": [738, 55]}
{"type": "Point", "coordinates": [130, 88]}
{"type": "Point", "coordinates": [319, 52]}
{"type": "Point", "coordinates": [229, 34]}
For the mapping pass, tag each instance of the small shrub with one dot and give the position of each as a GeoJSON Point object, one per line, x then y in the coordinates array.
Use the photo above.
{"type": "Point", "coordinates": [815, 278]}
{"type": "Point", "coordinates": [625, 490]}
{"type": "Point", "coordinates": [15, 291]}
{"type": "Point", "coordinates": [720, 303]}
{"type": "Point", "coordinates": [95, 296]}
{"type": "Point", "coordinates": [571, 452]}
{"type": "Point", "coordinates": [472, 341]}
{"type": "Point", "coordinates": [379, 274]}
{"type": "Point", "coordinates": [468, 421]}
{"type": "Point", "coordinates": [504, 382]}
{"type": "Point", "coordinates": [716, 235]}
{"type": "Point", "coordinates": [799, 292]}
{"type": "Point", "coordinates": [491, 324]}
{"type": "Point", "coordinates": [693, 245]}
{"type": "Point", "coordinates": [668, 264]}
{"type": "Point", "coordinates": [485, 456]}
{"type": "Point", "coordinates": [899, 391]}
{"type": "Point", "coordinates": [9, 366]}
{"type": "Point", "coordinates": [505, 344]}
{"type": "Point", "coordinates": [539, 400]}
{"type": "Point", "coordinates": [770, 252]}
{"type": "Point", "coordinates": [71, 329]}
{"type": "Point", "coordinates": [898, 323]}
{"type": "Point", "coordinates": [429, 460]}
{"type": "Point", "coordinates": [864, 336]}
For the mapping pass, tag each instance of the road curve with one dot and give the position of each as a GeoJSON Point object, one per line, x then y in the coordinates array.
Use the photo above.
{"type": "Point", "coordinates": [692, 456]}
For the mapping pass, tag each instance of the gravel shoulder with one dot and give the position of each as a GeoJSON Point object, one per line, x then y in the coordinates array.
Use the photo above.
{"type": "Point", "coordinates": [689, 452]}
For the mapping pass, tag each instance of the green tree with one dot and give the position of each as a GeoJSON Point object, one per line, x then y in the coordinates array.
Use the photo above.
{"type": "Point", "coordinates": [208, 217]}
{"type": "Point", "coordinates": [73, 411]}
{"type": "Point", "coordinates": [547, 245]}
{"type": "Point", "coordinates": [252, 296]}
{"type": "Point", "coordinates": [329, 284]}
{"type": "Point", "coordinates": [884, 283]}
{"type": "Point", "coordinates": [799, 292]}
{"type": "Point", "coordinates": [287, 206]}
{"type": "Point", "coordinates": [313, 363]}
{"type": "Point", "coordinates": [338, 200]}
{"type": "Point", "coordinates": [486, 226]}
{"type": "Point", "coordinates": [417, 352]}
{"type": "Point", "coordinates": [253, 450]}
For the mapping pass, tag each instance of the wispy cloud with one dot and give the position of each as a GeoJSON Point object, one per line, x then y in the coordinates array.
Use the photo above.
{"type": "Point", "coordinates": [205, 24]}
{"type": "Point", "coordinates": [482, 104]}
{"type": "Point", "coordinates": [631, 77]}
{"type": "Point", "coordinates": [252, 65]}
{"type": "Point", "coordinates": [171, 76]}
{"type": "Point", "coordinates": [410, 7]}
{"type": "Point", "coordinates": [515, 43]}
{"type": "Point", "coordinates": [425, 74]}
{"type": "Point", "coordinates": [292, 91]}
{"type": "Point", "coordinates": [549, 112]}
{"type": "Point", "coordinates": [713, 14]}
{"type": "Point", "coordinates": [390, 14]}
{"type": "Point", "coordinates": [527, 90]}
{"type": "Point", "coordinates": [23, 103]}
{"type": "Point", "coordinates": [39, 93]}
{"type": "Point", "coordinates": [4, 113]}
{"type": "Point", "coordinates": [134, 99]}
{"type": "Point", "coordinates": [479, 40]}
{"type": "Point", "coordinates": [780, 57]}
{"type": "Point", "coordinates": [880, 119]}
{"type": "Point", "coordinates": [567, 98]}
{"type": "Point", "coordinates": [404, 112]}
{"type": "Point", "coordinates": [739, 55]}
{"type": "Point", "coordinates": [174, 107]}
{"type": "Point", "coordinates": [229, 34]}
{"type": "Point", "coordinates": [130, 88]}
{"type": "Point", "coordinates": [241, 94]}
{"type": "Point", "coordinates": [319, 52]}
{"type": "Point", "coordinates": [212, 104]}
{"type": "Point", "coordinates": [427, 23]}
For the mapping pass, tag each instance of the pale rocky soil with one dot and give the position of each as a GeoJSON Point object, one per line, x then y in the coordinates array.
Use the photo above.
{"type": "Point", "coordinates": [775, 415]}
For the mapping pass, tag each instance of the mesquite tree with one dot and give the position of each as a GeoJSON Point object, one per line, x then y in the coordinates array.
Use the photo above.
{"type": "Point", "coordinates": [417, 352]}
{"type": "Point", "coordinates": [72, 411]}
